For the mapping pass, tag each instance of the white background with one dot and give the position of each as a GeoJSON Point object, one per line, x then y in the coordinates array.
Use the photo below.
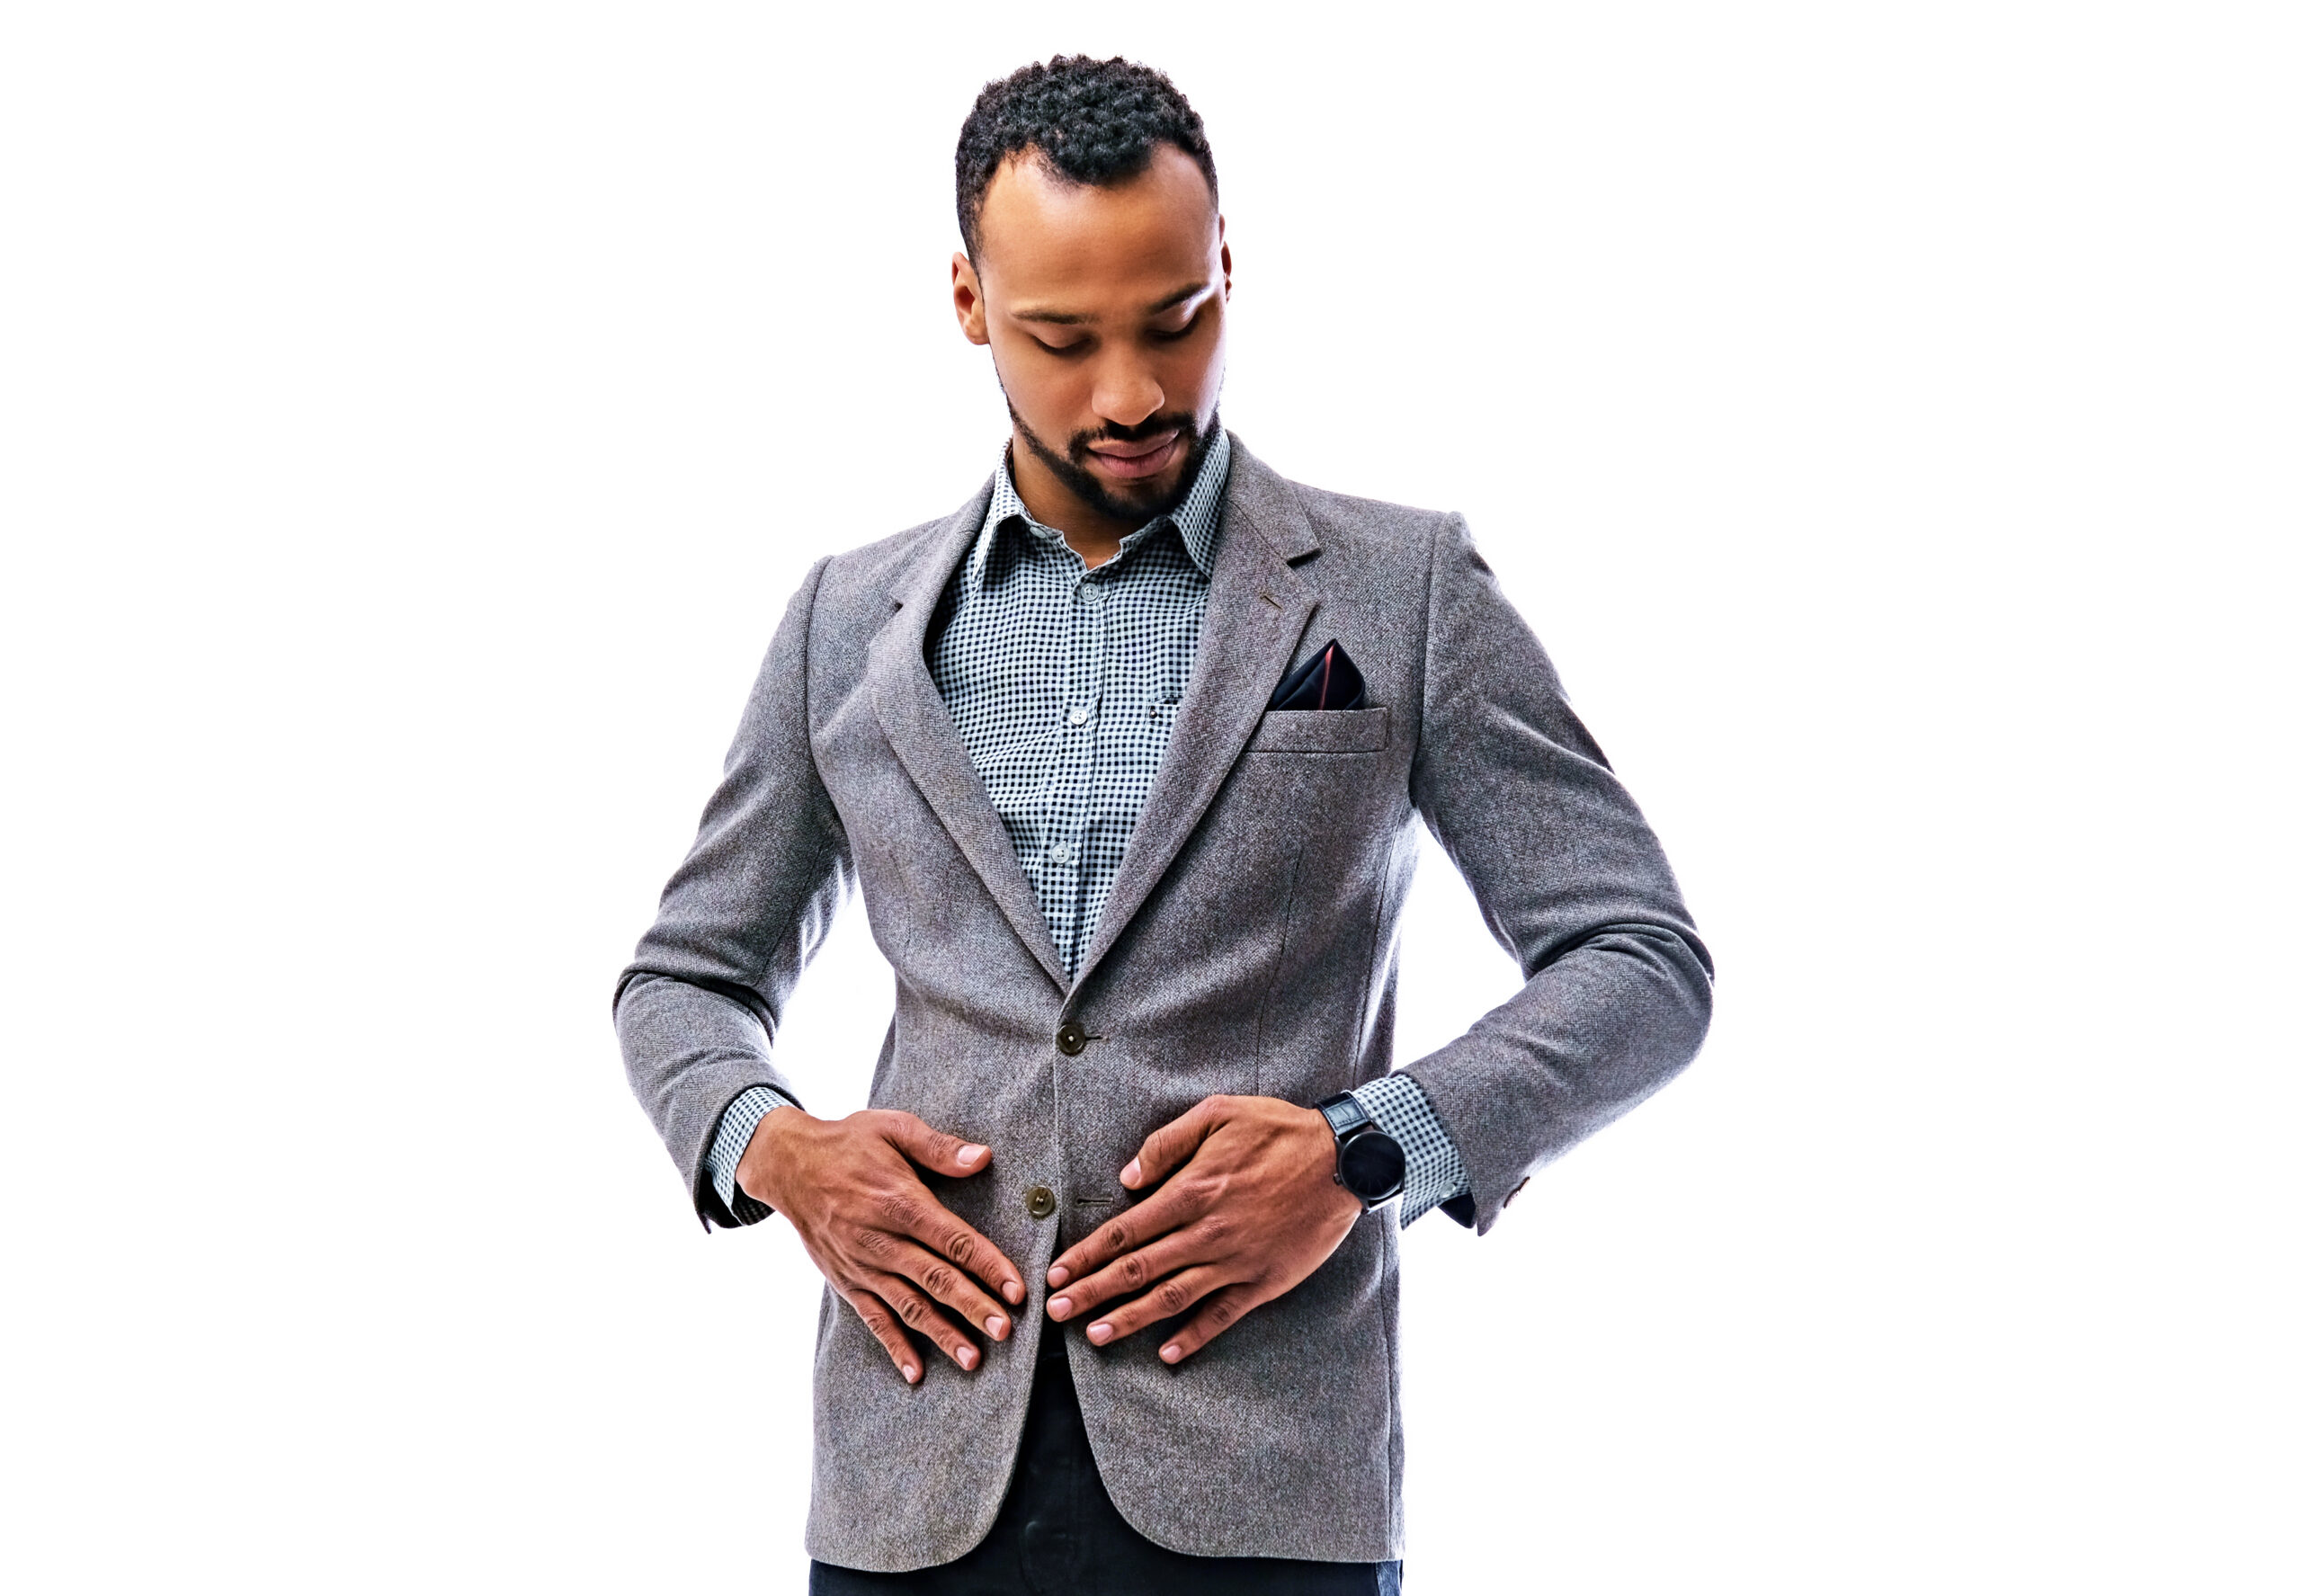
{"type": "Point", "coordinates": [413, 417]}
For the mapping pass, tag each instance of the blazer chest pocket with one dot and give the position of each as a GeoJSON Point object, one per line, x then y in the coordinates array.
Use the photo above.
{"type": "Point", "coordinates": [1322, 731]}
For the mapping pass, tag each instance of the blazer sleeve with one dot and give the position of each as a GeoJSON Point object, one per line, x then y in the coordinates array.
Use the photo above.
{"type": "Point", "coordinates": [1571, 882]}
{"type": "Point", "coordinates": [698, 1008]}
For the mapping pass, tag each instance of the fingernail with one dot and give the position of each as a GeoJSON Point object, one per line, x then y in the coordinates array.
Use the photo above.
{"type": "Point", "coordinates": [970, 1154]}
{"type": "Point", "coordinates": [1059, 1309]}
{"type": "Point", "coordinates": [1132, 1174]}
{"type": "Point", "coordinates": [970, 1357]}
{"type": "Point", "coordinates": [996, 1327]}
{"type": "Point", "coordinates": [1171, 1353]}
{"type": "Point", "coordinates": [1057, 1276]}
{"type": "Point", "coordinates": [1013, 1291]}
{"type": "Point", "coordinates": [1099, 1333]}
{"type": "Point", "coordinates": [911, 1373]}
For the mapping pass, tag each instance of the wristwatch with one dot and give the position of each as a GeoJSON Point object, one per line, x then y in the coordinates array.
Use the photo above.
{"type": "Point", "coordinates": [1368, 1163]}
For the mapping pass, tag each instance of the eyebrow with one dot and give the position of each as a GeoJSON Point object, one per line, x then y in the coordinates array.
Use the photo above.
{"type": "Point", "coordinates": [1072, 318]}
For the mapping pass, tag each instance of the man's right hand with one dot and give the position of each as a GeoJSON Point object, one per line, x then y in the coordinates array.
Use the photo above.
{"type": "Point", "coordinates": [877, 1233]}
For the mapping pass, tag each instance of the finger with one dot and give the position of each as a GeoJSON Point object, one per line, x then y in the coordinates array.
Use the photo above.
{"type": "Point", "coordinates": [1170, 1148]}
{"type": "Point", "coordinates": [887, 1329]}
{"type": "Point", "coordinates": [1133, 1271]}
{"type": "Point", "coordinates": [914, 1212]}
{"type": "Point", "coordinates": [1220, 1311]}
{"type": "Point", "coordinates": [1164, 1300]}
{"type": "Point", "coordinates": [920, 1315]}
{"type": "Point", "coordinates": [929, 1147]}
{"type": "Point", "coordinates": [1115, 1236]}
{"type": "Point", "coordinates": [949, 1286]}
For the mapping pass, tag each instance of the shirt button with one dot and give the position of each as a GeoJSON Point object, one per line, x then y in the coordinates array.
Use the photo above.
{"type": "Point", "coordinates": [1079, 713]}
{"type": "Point", "coordinates": [1060, 853]}
{"type": "Point", "coordinates": [1038, 1202]}
{"type": "Point", "coordinates": [1071, 1038]}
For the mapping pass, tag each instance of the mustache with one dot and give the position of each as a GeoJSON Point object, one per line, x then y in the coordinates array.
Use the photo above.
{"type": "Point", "coordinates": [1180, 422]}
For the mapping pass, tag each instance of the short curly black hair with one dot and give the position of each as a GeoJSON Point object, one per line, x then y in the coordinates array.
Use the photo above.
{"type": "Point", "coordinates": [1093, 121]}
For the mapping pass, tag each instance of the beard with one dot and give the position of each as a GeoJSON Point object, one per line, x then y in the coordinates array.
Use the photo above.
{"type": "Point", "coordinates": [1139, 502]}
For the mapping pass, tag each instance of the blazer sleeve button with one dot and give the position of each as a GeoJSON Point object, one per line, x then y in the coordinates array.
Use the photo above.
{"type": "Point", "coordinates": [1038, 1202]}
{"type": "Point", "coordinates": [1071, 1038]}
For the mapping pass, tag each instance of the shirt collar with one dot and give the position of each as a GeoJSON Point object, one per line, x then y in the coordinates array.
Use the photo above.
{"type": "Point", "coordinates": [1194, 519]}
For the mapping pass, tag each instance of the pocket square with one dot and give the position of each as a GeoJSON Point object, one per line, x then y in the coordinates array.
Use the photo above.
{"type": "Point", "coordinates": [1325, 681]}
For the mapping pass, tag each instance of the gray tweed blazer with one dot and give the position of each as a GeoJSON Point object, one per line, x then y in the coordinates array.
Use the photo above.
{"type": "Point", "coordinates": [1249, 945]}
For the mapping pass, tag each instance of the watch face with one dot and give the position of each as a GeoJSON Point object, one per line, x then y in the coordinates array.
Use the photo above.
{"type": "Point", "coordinates": [1373, 1166]}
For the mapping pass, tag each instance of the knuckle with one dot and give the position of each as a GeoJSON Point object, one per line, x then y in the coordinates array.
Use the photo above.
{"type": "Point", "coordinates": [1115, 1238]}
{"type": "Point", "coordinates": [1222, 1311]}
{"type": "Point", "coordinates": [1172, 1297]}
{"type": "Point", "coordinates": [913, 1309]}
{"type": "Point", "coordinates": [1133, 1270]}
{"type": "Point", "coordinates": [960, 1248]}
{"type": "Point", "coordinates": [940, 1279]}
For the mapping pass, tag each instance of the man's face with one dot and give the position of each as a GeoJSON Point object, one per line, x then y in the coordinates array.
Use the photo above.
{"type": "Point", "coordinates": [1104, 311]}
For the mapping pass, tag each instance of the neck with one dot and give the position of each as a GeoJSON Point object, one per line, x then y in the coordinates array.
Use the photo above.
{"type": "Point", "coordinates": [1094, 536]}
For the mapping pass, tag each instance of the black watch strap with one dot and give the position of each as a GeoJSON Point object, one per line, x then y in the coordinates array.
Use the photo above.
{"type": "Point", "coordinates": [1345, 1115]}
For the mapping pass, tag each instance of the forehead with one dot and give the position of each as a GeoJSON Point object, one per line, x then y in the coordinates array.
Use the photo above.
{"type": "Point", "coordinates": [1041, 235]}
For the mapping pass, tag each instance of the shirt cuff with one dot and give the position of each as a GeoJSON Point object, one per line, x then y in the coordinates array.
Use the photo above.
{"type": "Point", "coordinates": [735, 1133]}
{"type": "Point", "coordinates": [1435, 1171]}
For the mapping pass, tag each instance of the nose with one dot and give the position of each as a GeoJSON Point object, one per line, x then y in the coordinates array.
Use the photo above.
{"type": "Point", "coordinates": [1127, 393]}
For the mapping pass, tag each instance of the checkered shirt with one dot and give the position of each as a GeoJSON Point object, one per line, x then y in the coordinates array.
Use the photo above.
{"type": "Point", "coordinates": [1064, 683]}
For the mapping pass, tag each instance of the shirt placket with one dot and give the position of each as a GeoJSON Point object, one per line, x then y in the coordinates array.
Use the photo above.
{"type": "Point", "coordinates": [1076, 713]}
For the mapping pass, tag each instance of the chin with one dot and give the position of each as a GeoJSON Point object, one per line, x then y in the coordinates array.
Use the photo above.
{"type": "Point", "coordinates": [1151, 490]}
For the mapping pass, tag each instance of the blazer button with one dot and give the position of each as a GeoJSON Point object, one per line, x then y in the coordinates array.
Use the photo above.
{"type": "Point", "coordinates": [1071, 1038]}
{"type": "Point", "coordinates": [1038, 1202]}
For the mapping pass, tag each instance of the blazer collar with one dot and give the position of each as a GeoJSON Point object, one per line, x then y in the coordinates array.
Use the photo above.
{"type": "Point", "coordinates": [1257, 608]}
{"type": "Point", "coordinates": [919, 728]}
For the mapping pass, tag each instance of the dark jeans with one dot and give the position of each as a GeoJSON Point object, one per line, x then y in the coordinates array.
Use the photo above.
{"type": "Point", "coordinates": [1058, 1535]}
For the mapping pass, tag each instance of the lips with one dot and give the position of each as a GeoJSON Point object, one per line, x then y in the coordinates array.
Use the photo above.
{"type": "Point", "coordinates": [1130, 460]}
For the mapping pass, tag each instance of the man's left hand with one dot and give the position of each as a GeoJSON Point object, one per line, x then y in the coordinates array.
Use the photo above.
{"type": "Point", "coordinates": [1251, 1210]}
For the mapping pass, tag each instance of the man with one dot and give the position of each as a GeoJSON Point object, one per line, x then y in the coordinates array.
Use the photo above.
{"type": "Point", "coordinates": [1126, 757]}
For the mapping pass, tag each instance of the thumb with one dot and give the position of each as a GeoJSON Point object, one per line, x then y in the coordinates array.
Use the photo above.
{"type": "Point", "coordinates": [1170, 1148]}
{"type": "Point", "coordinates": [930, 1148]}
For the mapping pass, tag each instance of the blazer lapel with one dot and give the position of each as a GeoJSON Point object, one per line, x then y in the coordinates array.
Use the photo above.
{"type": "Point", "coordinates": [919, 728]}
{"type": "Point", "coordinates": [1256, 609]}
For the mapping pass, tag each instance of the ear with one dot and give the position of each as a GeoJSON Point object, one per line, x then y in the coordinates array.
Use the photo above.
{"type": "Point", "coordinates": [967, 300]}
{"type": "Point", "coordinates": [1224, 249]}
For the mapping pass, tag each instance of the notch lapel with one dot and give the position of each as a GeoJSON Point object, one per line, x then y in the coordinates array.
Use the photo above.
{"type": "Point", "coordinates": [919, 728]}
{"type": "Point", "coordinates": [1257, 608]}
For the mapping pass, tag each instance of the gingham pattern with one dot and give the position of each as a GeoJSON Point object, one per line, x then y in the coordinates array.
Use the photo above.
{"type": "Point", "coordinates": [1434, 1166]}
{"type": "Point", "coordinates": [751, 1106]}
{"type": "Point", "coordinates": [1064, 684]}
